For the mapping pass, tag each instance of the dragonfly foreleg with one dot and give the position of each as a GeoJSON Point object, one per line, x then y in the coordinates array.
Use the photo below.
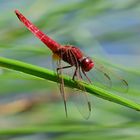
{"type": "Point", "coordinates": [86, 76]}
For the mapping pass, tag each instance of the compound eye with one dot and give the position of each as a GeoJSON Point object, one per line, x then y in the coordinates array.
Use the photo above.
{"type": "Point", "coordinates": [87, 64]}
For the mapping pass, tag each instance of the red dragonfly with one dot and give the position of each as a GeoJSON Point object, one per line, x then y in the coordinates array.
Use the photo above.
{"type": "Point", "coordinates": [69, 54]}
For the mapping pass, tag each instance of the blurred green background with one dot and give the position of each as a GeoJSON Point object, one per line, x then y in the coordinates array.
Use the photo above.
{"type": "Point", "coordinates": [107, 30]}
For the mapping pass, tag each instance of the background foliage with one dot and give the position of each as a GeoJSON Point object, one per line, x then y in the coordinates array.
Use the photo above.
{"type": "Point", "coordinates": [107, 30]}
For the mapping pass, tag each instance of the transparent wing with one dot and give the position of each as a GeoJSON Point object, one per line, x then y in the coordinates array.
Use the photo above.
{"type": "Point", "coordinates": [58, 68]}
{"type": "Point", "coordinates": [80, 100]}
{"type": "Point", "coordinates": [78, 97]}
{"type": "Point", "coordinates": [107, 78]}
{"type": "Point", "coordinates": [61, 84]}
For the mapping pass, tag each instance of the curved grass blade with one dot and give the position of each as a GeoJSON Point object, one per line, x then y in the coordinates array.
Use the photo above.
{"type": "Point", "coordinates": [49, 75]}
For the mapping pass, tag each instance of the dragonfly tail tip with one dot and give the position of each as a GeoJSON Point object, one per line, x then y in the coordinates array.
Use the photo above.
{"type": "Point", "coordinates": [17, 13]}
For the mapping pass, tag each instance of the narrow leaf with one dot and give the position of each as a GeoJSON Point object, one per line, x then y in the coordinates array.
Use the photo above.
{"type": "Point", "coordinates": [50, 75]}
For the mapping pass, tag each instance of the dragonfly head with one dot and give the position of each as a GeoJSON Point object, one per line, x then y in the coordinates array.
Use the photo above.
{"type": "Point", "coordinates": [87, 64]}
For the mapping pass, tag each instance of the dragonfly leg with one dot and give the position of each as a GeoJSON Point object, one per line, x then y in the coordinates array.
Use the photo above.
{"type": "Point", "coordinates": [86, 76]}
{"type": "Point", "coordinates": [60, 68]}
{"type": "Point", "coordinates": [75, 73]}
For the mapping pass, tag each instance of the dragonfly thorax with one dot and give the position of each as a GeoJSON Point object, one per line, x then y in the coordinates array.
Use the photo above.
{"type": "Point", "coordinates": [86, 64]}
{"type": "Point", "coordinates": [75, 57]}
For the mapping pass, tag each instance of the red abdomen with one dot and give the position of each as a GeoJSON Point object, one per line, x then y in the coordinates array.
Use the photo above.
{"type": "Point", "coordinates": [53, 45]}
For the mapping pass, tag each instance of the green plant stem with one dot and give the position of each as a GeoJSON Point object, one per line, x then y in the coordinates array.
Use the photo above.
{"type": "Point", "coordinates": [64, 128]}
{"type": "Point", "coordinates": [50, 75]}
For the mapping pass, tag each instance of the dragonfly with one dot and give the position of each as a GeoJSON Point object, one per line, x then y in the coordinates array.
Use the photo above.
{"type": "Point", "coordinates": [73, 56]}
